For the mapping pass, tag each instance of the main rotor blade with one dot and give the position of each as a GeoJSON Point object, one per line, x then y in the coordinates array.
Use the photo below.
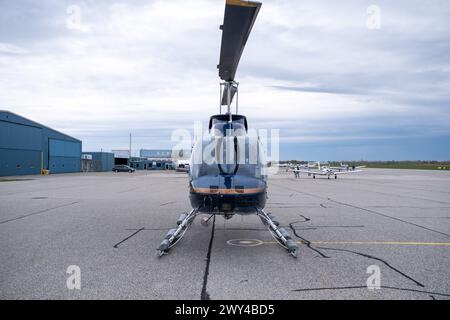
{"type": "Point", "coordinates": [240, 15]}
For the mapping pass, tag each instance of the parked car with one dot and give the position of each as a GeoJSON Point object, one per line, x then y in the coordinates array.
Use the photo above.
{"type": "Point", "coordinates": [183, 168]}
{"type": "Point", "coordinates": [123, 168]}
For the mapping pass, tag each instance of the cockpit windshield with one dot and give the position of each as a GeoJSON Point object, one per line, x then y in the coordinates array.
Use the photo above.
{"type": "Point", "coordinates": [220, 124]}
{"type": "Point", "coordinates": [228, 155]}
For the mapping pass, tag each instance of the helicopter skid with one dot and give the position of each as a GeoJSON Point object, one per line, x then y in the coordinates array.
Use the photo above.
{"type": "Point", "coordinates": [280, 234]}
{"type": "Point", "coordinates": [173, 236]}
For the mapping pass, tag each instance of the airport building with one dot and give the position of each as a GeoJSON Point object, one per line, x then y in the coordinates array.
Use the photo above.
{"type": "Point", "coordinates": [166, 159]}
{"type": "Point", "coordinates": [27, 147]}
{"type": "Point", "coordinates": [153, 160]}
{"type": "Point", "coordinates": [97, 161]}
{"type": "Point", "coordinates": [139, 163]}
{"type": "Point", "coordinates": [156, 154]}
{"type": "Point", "coordinates": [122, 157]}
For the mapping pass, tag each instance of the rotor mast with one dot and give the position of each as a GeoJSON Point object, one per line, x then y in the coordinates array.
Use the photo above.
{"type": "Point", "coordinates": [227, 91]}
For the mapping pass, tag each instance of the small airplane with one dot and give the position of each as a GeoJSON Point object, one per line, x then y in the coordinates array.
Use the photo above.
{"type": "Point", "coordinates": [292, 166]}
{"type": "Point", "coordinates": [346, 167]}
{"type": "Point", "coordinates": [327, 170]}
{"type": "Point", "coordinates": [289, 166]}
{"type": "Point", "coordinates": [228, 183]}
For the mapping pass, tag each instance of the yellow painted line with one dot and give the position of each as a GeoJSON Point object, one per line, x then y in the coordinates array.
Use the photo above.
{"type": "Point", "coordinates": [402, 243]}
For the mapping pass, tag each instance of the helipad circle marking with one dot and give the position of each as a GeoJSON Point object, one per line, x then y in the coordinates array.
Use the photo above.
{"type": "Point", "coordinates": [244, 242]}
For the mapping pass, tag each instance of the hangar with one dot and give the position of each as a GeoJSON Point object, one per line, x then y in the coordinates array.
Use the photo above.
{"type": "Point", "coordinates": [27, 147]}
{"type": "Point", "coordinates": [97, 161]}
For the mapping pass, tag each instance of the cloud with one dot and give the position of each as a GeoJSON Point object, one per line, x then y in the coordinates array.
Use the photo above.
{"type": "Point", "coordinates": [8, 48]}
{"type": "Point", "coordinates": [311, 68]}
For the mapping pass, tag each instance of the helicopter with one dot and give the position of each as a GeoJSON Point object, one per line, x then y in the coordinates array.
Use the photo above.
{"type": "Point", "coordinates": [228, 167]}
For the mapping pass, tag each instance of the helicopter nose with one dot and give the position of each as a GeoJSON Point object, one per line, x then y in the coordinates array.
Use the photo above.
{"type": "Point", "coordinates": [228, 185]}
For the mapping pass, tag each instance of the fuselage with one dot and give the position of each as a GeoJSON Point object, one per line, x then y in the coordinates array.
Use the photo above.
{"type": "Point", "coordinates": [227, 173]}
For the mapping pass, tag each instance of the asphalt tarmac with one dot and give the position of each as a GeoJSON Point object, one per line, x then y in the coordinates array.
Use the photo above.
{"type": "Point", "coordinates": [390, 225]}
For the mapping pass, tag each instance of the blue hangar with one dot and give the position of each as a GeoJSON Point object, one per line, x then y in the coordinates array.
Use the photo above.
{"type": "Point", "coordinates": [27, 147]}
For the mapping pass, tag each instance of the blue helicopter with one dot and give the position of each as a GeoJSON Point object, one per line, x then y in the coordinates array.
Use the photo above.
{"type": "Point", "coordinates": [228, 167]}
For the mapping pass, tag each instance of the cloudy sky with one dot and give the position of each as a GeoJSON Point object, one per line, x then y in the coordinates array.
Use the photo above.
{"type": "Point", "coordinates": [340, 79]}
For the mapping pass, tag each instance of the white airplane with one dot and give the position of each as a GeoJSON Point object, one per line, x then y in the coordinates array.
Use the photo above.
{"type": "Point", "coordinates": [290, 166]}
{"type": "Point", "coordinates": [327, 170]}
{"type": "Point", "coordinates": [346, 167]}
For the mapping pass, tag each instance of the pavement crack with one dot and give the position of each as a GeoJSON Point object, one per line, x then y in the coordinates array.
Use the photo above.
{"type": "Point", "coordinates": [165, 204]}
{"type": "Point", "coordinates": [390, 217]}
{"type": "Point", "coordinates": [306, 219]}
{"type": "Point", "coordinates": [241, 229]}
{"type": "Point", "coordinates": [204, 294]}
{"type": "Point", "coordinates": [320, 227]}
{"type": "Point", "coordinates": [131, 235]}
{"type": "Point", "coordinates": [306, 242]}
{"type": "Point", "coordinates": [408, 196]}
{"type": "Point", "coordinates": [366, 210]}
{"type": "Point", "coordinates": [378, 259]}
{"type": "Point", "coordinates": [365, 287]}
{"type": "Point", "coordinates": [148, 229]}
{"type": "Point", "coordinates": [39, 212]}
{"type": "Point", "coordinates": [283, 207]}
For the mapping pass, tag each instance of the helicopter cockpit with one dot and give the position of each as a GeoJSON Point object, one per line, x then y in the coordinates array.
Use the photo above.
{"type": "Point", "coordinates": [221, 122]}
{"type": "Point", "coordinates": [228, 150]}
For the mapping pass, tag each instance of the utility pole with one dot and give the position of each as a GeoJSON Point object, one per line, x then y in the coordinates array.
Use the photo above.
{"type": "Point", "coordinates": [130, 145]}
